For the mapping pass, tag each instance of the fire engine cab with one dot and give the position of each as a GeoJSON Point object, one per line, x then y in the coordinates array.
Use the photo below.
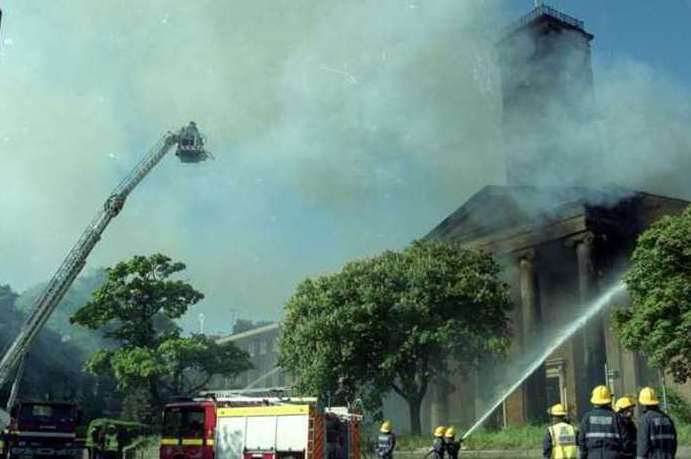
{"type": "Point", "coordinates": [232, 426]}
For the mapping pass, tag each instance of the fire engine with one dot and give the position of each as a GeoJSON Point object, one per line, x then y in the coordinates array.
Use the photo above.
{"type": "Point", "coordinates": [232, 426]}
{"type": "Point", "coordinates": [49, 420]}
{"type": "Point", "coordinates": [43, 429]}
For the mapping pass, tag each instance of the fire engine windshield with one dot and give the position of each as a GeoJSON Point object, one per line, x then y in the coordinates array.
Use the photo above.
{"type": "Point", "coordinates": [187, 422]}
{"type": "Point", "coordinates": [40, 412]}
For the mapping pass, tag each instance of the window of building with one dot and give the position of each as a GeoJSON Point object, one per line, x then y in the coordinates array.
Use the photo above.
{"type": "Point", "coordinates": [263, 345]}
{"type": "Point", "coordinates": [556, 382]}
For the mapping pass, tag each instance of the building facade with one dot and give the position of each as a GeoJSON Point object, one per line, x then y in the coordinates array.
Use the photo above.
{"type": "Point", "coordinates": [262, 346]}
{"type": "Point", "coordinates": [557, 258]}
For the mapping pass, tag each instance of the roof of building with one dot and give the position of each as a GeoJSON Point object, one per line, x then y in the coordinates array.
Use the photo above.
{"type": "Point", "coordinates": [512, 216]}
{"type": "Point", "coordinates": [544, 13]}
{"type": "Point", "coordinates": [495, 208]}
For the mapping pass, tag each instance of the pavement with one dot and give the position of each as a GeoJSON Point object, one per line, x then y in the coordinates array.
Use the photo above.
{"type": "Point", "coordinates": [683, 453]}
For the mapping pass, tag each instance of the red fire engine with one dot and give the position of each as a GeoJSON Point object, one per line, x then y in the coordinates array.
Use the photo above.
{"type": "Point", "coordinates": [231, 426]}
{"type": "Point", "coordinates": [43, 429]}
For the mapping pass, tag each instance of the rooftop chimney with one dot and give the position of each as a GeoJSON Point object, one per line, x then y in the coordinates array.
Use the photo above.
{"type": "Point", "coordinates": [548, 101]}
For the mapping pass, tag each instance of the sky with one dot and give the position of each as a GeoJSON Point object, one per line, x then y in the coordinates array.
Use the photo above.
{"type": "Point", "coordinates": [340, 128]}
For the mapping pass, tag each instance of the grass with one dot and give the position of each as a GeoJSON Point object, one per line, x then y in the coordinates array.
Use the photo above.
{"type": "Point", "coordinates": [527, 437]}
{"type": "Point", "coordinates": [684, 434]}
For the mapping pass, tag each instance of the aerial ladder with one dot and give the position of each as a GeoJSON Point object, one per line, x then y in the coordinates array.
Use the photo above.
{"type": "Point", "coordinates": [190, 149]}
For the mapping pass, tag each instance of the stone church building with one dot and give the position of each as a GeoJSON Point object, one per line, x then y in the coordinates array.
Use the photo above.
{"type": "Point", "coordinates": [562, 236]}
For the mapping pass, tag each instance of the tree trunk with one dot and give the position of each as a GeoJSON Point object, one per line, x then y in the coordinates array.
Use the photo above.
{"type": "Point", "coordinates": [156, 404]}
{"type": "Point", "coordinates": [414, 408]}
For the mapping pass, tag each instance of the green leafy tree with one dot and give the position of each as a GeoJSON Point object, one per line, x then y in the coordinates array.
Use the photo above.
{"type": "Point", "coordinates": [136, 306]}
{"type": "Point", "coordinates": [394, 322]}
{"type": "Point", "coordinates": [658, 322]}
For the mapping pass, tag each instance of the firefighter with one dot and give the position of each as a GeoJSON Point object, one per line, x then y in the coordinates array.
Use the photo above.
{"type": "Point", "coordinates": [657, 437]}
{"type": "Point", "coordinates": [112, 445]}
{"type": "Point", "coordinates": [437, 450]}
{"type": "Point", "coordinates": [602, 434]}
{"type": "Point", "coordinates": [624, 408]}
{"type": "Point", "coordinates": [386, 441]}
{"type": "Point", "coordinates": [560, 439]}
{"type": "Point", "coordinates": [451, 445]}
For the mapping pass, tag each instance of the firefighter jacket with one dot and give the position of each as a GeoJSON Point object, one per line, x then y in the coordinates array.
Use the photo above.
{"type": "Point", "coordinates": [452, 447]}
{"type": "Point", "coordinates": [657, 437]}
{"type": "Point", "coordinates": [602, 435]}
{"type": "Point", "coordinates": [630, 427]}
{"type": "Point", "coordinates": [560, 442]}
{"type": "Point", "coordinates": [386, 443]}
{"type": "Point", "coordinates": [112, 442]}
{"type": "Point", "coordinates": [438, 447]}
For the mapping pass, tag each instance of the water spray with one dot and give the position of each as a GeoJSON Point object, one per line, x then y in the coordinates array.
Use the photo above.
{"type": "Point", "coordinates": [559, 338]}
{"type": "Point", "coordinates": [262, 378]}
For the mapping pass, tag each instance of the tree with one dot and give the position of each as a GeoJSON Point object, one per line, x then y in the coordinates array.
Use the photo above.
{"type": "Point", "coordinates": [393, 322]}
{"type": "Point", "coordinates": [658, 322]}
{"type": "Point", "coordinates": [136, 306]}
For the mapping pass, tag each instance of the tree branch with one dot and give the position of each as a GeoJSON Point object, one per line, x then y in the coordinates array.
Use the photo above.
{"type": "Point", "coordinates": [398, 390]}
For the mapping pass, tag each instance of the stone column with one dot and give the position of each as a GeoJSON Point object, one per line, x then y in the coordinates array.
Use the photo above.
{"type": "Point", "coordinates": [439, 407]}
{"type": "Point", "coordinates": [592, 336]}
{"type": "Point", "coordinates": [534, 388]}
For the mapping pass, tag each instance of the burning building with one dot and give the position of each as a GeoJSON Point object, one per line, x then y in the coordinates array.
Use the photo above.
{"type": "Point", "coordinates": [562, 236]}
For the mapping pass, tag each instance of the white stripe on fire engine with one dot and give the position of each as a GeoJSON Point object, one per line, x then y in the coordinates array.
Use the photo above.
{"type": "Point", "coordinates": [46, 434]}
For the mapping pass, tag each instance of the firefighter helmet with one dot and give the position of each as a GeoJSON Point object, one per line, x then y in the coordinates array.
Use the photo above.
{"type": "Point", "coordinates": [624, 403]}
{"type": "Point", "coordinates": [648, 397]}
{"type": "Point", "coordinates": [557, 410]}
{"type": "Point", "coordinates": [439, 431]}
{"type": "Point", "coordinates": [385, 427]}
{"type": "Point", "coordinates": [450, 432]}
{"type": "Point", "coordinates": [601, 396]}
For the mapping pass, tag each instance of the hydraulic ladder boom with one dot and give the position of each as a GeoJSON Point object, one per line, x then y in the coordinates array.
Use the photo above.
{"type": "Point", "coordinates": [190, 149]}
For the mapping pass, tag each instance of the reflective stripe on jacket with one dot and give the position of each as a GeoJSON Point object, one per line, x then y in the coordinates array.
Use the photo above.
{"type": "Point", "coordinates": [563, 436]}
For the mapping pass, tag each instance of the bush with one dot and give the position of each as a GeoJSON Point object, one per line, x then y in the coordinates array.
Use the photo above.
{"type": "Point", "coordinates": [678, 407]}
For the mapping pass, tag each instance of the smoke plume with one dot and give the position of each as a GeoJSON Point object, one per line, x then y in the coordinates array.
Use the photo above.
{"type": "Point", "coordinates": [340, 129]}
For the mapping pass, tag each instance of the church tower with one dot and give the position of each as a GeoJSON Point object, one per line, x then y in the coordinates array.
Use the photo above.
{"type": "Point", "coordinates": [549, 128]}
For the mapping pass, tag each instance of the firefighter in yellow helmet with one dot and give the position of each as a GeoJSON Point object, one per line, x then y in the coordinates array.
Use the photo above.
{"type": "Point", "coordinates": [624, 408]}
{"type": "Point", "coordinates": [451, 445]}
{"type": "Point", "coordinates": [657, 436]}
{"type": "Point", "coordinates": [560, 439]}
{"type": "Point", "coordinates": [437, 450]}
{"type": "Point", "coordinates": [602, 434]}
{"type": "Point", "coordinates": [386, 441]}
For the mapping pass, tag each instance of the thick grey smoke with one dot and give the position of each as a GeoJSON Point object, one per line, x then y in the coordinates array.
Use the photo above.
{"type": "Point", "coordinates": [340, 129]}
